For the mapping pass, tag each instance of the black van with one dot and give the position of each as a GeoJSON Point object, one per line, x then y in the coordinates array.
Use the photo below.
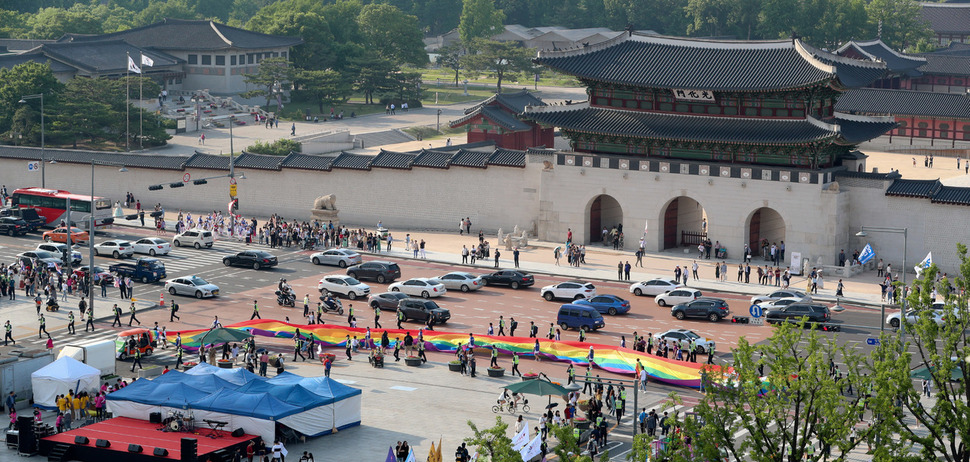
{"type": "Point", "coordinates": [30, 215]}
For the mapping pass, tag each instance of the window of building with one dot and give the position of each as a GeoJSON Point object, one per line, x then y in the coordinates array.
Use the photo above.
{"type": "Point", "coordinates": [944, 130]}
{"type": "Point", "coordinates": [206, 60]}
{"type": "Point", "coordinates": [193, 59]}
{"type": "Point", "coordinates": [901, 131]}
{"type": "Point", "coordinates": [283, 54]}
{"type": "Point", "coordinates": [966, 131]}
{"type": "Point", "coordinates": [921, 132]}
{"type": "Point", "coordinates": [242, 60]}
{"type": "Point", "coordinates": [232, 60]}
{"type": "Point", "coordinates": [221, 60]}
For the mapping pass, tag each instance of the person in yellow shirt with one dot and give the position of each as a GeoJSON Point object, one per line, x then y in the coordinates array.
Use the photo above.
{"type": "Point", "coordinates": [84, 404]}
{"type": "Point", "coordinates": [61, 403]}
{"type": "Point", "coordinates": [76, 407]}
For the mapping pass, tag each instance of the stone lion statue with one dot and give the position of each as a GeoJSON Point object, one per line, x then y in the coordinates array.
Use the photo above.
{"type": "Point", "coordinates": [328, 202]}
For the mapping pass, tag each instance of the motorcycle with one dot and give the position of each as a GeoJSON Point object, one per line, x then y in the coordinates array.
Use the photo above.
{"type": "Point", "coordinates": [285, 299]}
{"type": "Point", "coordinates": [331, 304]}
{"type": "Point", "coordinates": [52, 305]}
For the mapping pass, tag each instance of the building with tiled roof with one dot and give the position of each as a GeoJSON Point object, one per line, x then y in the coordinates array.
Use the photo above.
{"type": "Point", "coordinates": [769, 102]}
{"type": "Point", "coordinates": [498, 119]}
{"type": "Point", "coordinates": [949, 21]}
{"type": "Point", "coordinates": [900, 68]}
{"type": "Point", "coordinates": [919, 114]}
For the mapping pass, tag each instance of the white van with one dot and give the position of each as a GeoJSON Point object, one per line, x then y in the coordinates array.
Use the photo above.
{"type": "Point", "coordinates": [197, 238]}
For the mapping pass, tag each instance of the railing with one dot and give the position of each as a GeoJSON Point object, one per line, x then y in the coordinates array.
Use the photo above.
{"type": "Point", "coordinates": [688, 238]}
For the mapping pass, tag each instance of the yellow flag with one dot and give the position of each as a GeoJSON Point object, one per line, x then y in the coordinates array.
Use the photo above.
{"type": "Point", "coordinates": [431, 455]}
{"type": "Point", "coordinates": [438, 454]}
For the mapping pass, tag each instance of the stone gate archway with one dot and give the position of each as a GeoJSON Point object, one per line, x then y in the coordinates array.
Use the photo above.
{"type": "Point", "coordinates": [603, 211]}
{"type": "Point", "coordinates": [765, 223]}
{"type": "Point", "coordinates": [683, 223]}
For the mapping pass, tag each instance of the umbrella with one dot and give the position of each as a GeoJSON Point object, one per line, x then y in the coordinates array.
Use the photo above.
{"type": "Point", "coordinates": [537, 387]}
{"type": "Point", "coordinates": [223, 335]}
{"type": "Point", "coordinates": [551, 405]}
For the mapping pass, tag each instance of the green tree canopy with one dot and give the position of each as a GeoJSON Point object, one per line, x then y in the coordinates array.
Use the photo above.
{"type": "Point", "coordinates": [498, 58]}
{"type": "Point", "coordinates": [272, 74]}
{"type": "Point", "coordinates": [327, 87]}
{"type": "Point", "coordinates": [899, 23]}
{"type": "Point", "coordinates": [479, 19]}
{"type": "Point", "coordinates": [392, 34]}
{"type": "Point", "coordinates": [492, 443]}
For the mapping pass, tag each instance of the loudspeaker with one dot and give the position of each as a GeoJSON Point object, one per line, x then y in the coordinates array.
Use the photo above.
{"type": "Point", "coordinates": [160, 452]}
{"type": "Point", "coordinates": [190, 450]}
{"type": "Point", "coordinates": [238, 432]}
{"type": "Point", "coordinates": [134, 448]}
{"type": "Point", "coordinates": [155, 417]}
{"type": "Point", "coordinates": [26, 441]}
{"type": "Point", "coordinates": [80, 440]}
{"type": "Point", "coordinates": [103, 443]}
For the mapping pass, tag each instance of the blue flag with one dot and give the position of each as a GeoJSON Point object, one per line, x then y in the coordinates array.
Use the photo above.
{"type": "Point", "coordinates": [390, 455]}
{"type": "Point", "coordinates": [867, 254]}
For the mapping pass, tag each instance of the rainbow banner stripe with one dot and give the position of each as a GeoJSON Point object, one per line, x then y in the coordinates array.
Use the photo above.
{"type": "Point", "coordinates": [606, 357]}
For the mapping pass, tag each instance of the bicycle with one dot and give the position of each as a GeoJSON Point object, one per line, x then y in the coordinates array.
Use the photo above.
{"type": "Point", "coordinates": [510, 406]}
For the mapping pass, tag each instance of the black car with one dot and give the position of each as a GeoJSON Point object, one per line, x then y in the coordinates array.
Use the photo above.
{"type": "Point", "coordinates": [511, 278]}
{"type": "Point", "coordinates": [380, 271]}
{"type": "Point", "coordinates": [814, 313]}
{"type": "Point", "coordinates": [713, 309]}
{"type": "Point", "coordinates": [420, 310]}
{"type": "Point", "coordinates": [29, 215]}
{"type": "Point", "coordinates": [386, 300]}
{"type": "Point", "coordinates": [255, 258]}
{"type": "Point", "coordinates": [13, 226]}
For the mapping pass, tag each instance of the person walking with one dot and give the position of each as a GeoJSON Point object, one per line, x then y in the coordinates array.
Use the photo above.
{"type": "Point", "coordinates": [515, 256]}
{"type": "Point", "coordinates": [348, 346]}
{"type": "Point", "coordinates": [136, 359]}
{"type": "Point", "coordinates": [172, 310]}
{"type": "Point", "coordinates": [42, 327]}
{"type": "Point", "coordinates": [515, 364]}
{"type": "Point", "coordinates": [255, 311]}
{"type": "Point", "coordinates": [117, 311]}
{"type": "Point", "coordinates": [90, 321]}
{"type": "Point", "coordinates": [8, 333]}
{"type": "Point", "coordinates": [178, 356]}
{"type": "Point", "coordinates": [377, 317]}
{"type": "Point", "coordinates": [133, 310]}
{"type": "Point", "coordinates": [70, 322]}
{"type": "Point", "coordinates": [497, 254]}
{"type": "Point", "coordinates": [400, 317]}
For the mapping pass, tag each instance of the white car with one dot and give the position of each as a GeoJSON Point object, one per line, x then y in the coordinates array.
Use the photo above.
{"type": "Point", "coordinates": [343, 285]}
{"type": "Point", "coordinates": [114, 247]}
{"type": "Point", "coordinates": [936, 312]}
{"type": "Point", "coordinates": [152, 246]}
{"type": "Point", "coordinates": [778, 294]}
{"type": "Point", "coordinates": [461, 281]}
{"type": "Point", "coordinates": [703, 345]}
{"type": "Point", "coordinates": [776, 304]}
{"type": "Point", "coordinates": [197, 238]}
{"type": "Point", "coordinates": [419, 287]}
{"type": "Point", "coordinates": [191, 285]}
{"type": "Point", "coordinates": [571, 290]}
{"type": "Point", "coordinates": [340, 257]}
{"type": "Point", "coordinates": [58, 249]}
{"type": "Point", "coordinates": [654, 287]}
{"type": "Point", "coordinates": [677, 296]}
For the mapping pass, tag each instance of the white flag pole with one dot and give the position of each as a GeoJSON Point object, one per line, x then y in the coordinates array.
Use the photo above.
{"type": "Point", "coordinates": [127, 103]}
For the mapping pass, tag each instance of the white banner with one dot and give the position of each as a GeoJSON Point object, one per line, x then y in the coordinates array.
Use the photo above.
{"type": "Point", "coordinates": [796, 263]}
{"type": "Point", "coordinates": [693, 95]}
{"type": "Point", "coordinates": [534, 448]}
{"type": "Point", "coordinates": [521, 438]}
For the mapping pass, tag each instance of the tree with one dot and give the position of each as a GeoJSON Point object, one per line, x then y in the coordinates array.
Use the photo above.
{"type": "Point", "coordinates": [438, 16]}
{"type": "Point", "coordinates": [899, 23]}
{"type": "Point", "coordinates": [52, 23]}
{"type": "Point", "coordinates": [373, 75]}
{"type": "Point", "coordinates": [326, 87]}
{"type": "Point", "coordinates": [392, 34]}
{"type": "Point", "coordinates": [450, 58]}
{"type": "Point", "coordinates": [479, 19]}
{"type": "Point", "coordinates": [272, 75]}
{"type": "Point", "coordinates": [157, 10]}
{"type": "Point", "coordinates": [26, 79]}
{"type": "Point", "coordinates": [492, 443]}
{"type": "Point", "coordinates": [498, 59]}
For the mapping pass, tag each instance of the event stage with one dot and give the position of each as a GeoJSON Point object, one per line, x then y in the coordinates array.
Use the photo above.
{"type": "Point", "coordinates": [122, 431]}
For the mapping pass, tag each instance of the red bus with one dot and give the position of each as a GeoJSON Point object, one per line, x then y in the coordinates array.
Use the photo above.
{"type": "Point", "coordinates": [51, 204]}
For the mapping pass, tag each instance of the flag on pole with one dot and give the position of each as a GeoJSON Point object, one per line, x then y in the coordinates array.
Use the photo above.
{"type": "Point", "coordinates": [390, 455]}
{"type": "Point", "coordinates": [132, 66]}
{"type": "Point", "coordinates": [437, 456]}
{"type": "Point", "coordinates": [924, 264]}
{"type": "Point", "coordinates": [410, 457]}
{"type": "Point", "coordinates": [146, 61]}
{"type": "Point", "coordinates": [520, 439]}
{"type": "Point", "coordinates": [431, 456]}
{"type": "Point", "coordinates": [534, 448]}
{"type": "Point", "coordinates": [646, 225]}
{"type": "Point", "coordinates": [867, 254]}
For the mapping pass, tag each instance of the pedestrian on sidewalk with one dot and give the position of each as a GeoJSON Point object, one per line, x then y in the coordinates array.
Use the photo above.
{"type": "Point", "coordinates": [619, 270]}
{"type": "Point", "coordinates": [515, 256]}
{"type": "Point", "coordinates": [133, 310]}
{"type": "Point", "coordinates": [639, 256]}
{"type": "Point", "coordinates": [497, 253]}
{"type": "Point", "coordinates": [694, 268]}
{"type": "Point", "coordinates": [626, 270]}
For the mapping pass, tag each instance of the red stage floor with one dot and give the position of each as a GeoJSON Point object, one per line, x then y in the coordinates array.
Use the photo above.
{"type": "Point", "coordinates": [122, 431]}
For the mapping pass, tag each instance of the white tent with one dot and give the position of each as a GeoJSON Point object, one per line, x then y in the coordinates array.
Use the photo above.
{"type": "Point", "coordinates": [60, 376]}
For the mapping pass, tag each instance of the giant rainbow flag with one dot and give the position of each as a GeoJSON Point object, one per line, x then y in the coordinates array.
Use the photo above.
{"type": "Point", "coordinates": [606, 357]}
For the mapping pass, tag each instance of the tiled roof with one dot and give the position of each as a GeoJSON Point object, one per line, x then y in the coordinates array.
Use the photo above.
{"type": "Point", "coordinates": [434, 159]}
{"type": "Point", "coordinates": [947, 64]}
{"type": "Point", "coordinates": [947, 18]}
{"type": "Point", "coordinates": [952, 48]}
{"type": "Point", "coordinates": [914, 188]}
{"type": "Point", "coordinates": [868, 175]}
{"type": "Point", "coordinates": [952, 195]}
{"type": "Point", "coordinates": [877, 50]}
{"type": "Point", "coordinates": [181, 34]}
{"type": "Point", "coordinates": [517, 101]}
{"type": "Point", "coordinates": [507, 158]}
{"type": "Point", "coordinates": [352, 161]}
{"type": "Point", "coordinates": [74, 156]}
{"type": "Point", "coordinates": [504, 119]}
{"type": "Point", "coordinates": [672, 62]}
{"type": "Point", "coordinates": [904, 102]}
{"type": "Point", "coordinates": [855, 129]}
{"type": "Point", "coordinates": [104, 57]}
{"type": "Point", "coordinates": [308, 162]}
{"type": "Point", "coordinates": [476, 159]}
{"type": "Point", "coordinates": [11, 60]}
{"type": "Point", "coordinates": [258, 161]}
{"type": "Point", "coordinates": [208, 161]}
{"type": "Point", "coordinates": [390, 159]}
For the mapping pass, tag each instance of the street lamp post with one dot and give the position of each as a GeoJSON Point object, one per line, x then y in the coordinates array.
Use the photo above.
{"type": "Point", "coordinates": [43, 145]}
{"type": "Point", "coordinates": [902, 307]}
{"type": "Point", "coordinates": [91, 230]}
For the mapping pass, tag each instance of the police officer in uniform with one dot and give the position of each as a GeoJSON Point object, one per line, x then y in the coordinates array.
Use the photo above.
{"type": "Point", "coordinates": [377, 317]}
{"type": "Point", "coordinates": [90, 322]}
{"type": "Point", "coordinates": [515, 364]}
{"type": "Point", "coordinates": [9, 333]}
{"type": "Point", "coordinates": [70, 322]}
{"type": "Point", "coordinates": [178, 356]}
{"type": "Point", "coordinates": [400, 318]}
{"type": "Point", "coordinates": [132, 310]}
{"type": "Point", "coordinates": [172, 310]}
{"type": "Point", "coordinates": [136, 359]}
{"type": "Point", "coordinates": [117, 311]}
{"type": "Point", "coordinates": [255, 311]}
{"type": "Point", "coordinates": [43, 326]}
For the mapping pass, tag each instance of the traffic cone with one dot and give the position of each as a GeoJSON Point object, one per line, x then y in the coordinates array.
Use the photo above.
{"type": "Point", "coordinates": [161, 299]}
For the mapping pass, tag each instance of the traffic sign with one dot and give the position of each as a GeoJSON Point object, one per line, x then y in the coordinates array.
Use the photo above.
{"type": "Point", "coordinates": [232, 190]}
{"type": "Point", "coordinates": [755, 311]}
{"type": "Point", "coordinates": [186, 177]}
{"type": "Point", "coordinates": [872, 341]}
{"type": "Point", "coordinates": [33, 166]}
{"type": "Point", "coordinates": [232, 181]}
{"type": "Point", "coordinates": [757, 321]}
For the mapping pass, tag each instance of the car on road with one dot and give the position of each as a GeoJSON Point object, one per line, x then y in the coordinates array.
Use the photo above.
{"type": "Point", "coordinates": [419, 287]}
{"type": "Point", "coordinates": [606, 304]}
{"type": "Point", "coordinates": [12, 226]}
{"type": "Point", "coordinates": [197, 238]}
{"type": "Point", "coordinates": [42, 256]}
{"type": "Point", "coordinates": [386, 300]}
{"type": "Point", "coordinates": [569, 290]}
{"type": "Point", "coordinates": [255, 259]}
{"type": "Point", "coordinates": [813, 312]}
{"type": "Point", "coordinates": [684, 335]}
{"type": "Point", "coordinates": [769, 305]}
{"type": "Point", "coordinates": [343, 285]}
{"type": "Point", "coordinates": [28, 214]}
{"type": "Point", "coordinates": [59, 249]}
{"type": "Point", "coordinates": [654, 287]}
{"type": "Point", "coordinates": [458, 280]}
{"type": "Point", "coordinates": [573, 316]}
{"type": "Point", "coordinates": [421, 310]}
{"type": "Point", "coordinates": [193, 286]}
{"type": "Point", "coordinates": [380, 271]}
{"type": "Point", "coordinates": [339, 257]}
{"type": "Point", "coordinates": [511, 278]}
{"type": "Point", "coordinates": [115, 247]}
{"type": "Point", "coordinates": [78, 235]}
{"type": "Point", "coordinates": [712, 309]}
{"type": "Point", "coordinates": [779, 294]}
{"type": "Point", "coordinates": [936, 312]}
{"type": "Point", "coordinates": [678, 296]}
{"type": "Point", "coordinates": [152, 246]}
{"type": "Point", "coordinates": [99, 273]}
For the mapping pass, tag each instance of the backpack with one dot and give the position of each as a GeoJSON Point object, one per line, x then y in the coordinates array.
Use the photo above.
{"type": "Point", "coordinates": [514, 324]}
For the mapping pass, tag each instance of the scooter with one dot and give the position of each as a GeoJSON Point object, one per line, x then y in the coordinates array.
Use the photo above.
{"type": "Point", "coordinates": [52, 305]}
{"type": "Point", "coordinates": [331, 304]}
{"type": "Point", "coordinates": [285, 299]}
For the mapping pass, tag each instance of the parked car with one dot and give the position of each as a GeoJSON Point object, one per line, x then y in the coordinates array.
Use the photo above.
{"type": "Point", "coordinates": [703, 345]}
{"type": "Point", "coordinates": [814, 313]}
{"type": "Point", "coordinates": [386, 300]}
{"type": "Point", "coordinates": [115, 247]}
{"type": "Point", "coordinates": [511, 278]}
{"type": "Point", "coordinates": [152, 246]}
{"type": "Point", "coordinates": [340, 257]}
{"type": "Point", "coordinates": [573, 316]}
{"type": "Point", "coordinates": [12, 226]}
{"type": "Point", "coordinates": [28, 214]}
{"type": "Point", "coordinates": [570, 290]}
{"type": "Point", "coordinates": [145, 269]}
{"type": "Point", "coordinates": [343, 285]}
{"type": "Point", "coordinates": [713, 309]}
{"type": "Point", "coordinates": [99, 273]}
{"type": "Point", "coordinates": [197, 238]}
{"type": "Point", "coordinates": [608, 304]}
{"type": "Point", "coordinates": [380, 271]}
{"type": "Point", "coordinates": [461, 281]}
{"type": "Point", "coordinates": [255, 259]}
{"type": "Point", "coordinates": [78, 235]}
{"type": "Point", "coordinates": [59, 249]}
{"type": "Point", "coordinates": [41, 256]}
{"type": "Point", "coordinates": [654, 287]}
{"type": "Point", "coordinates": [422, 310]}
{"type": "Point", "coordinates": [193, 286]}
{"type": "Point", "coordinates": [779, 294]}
{"type": "Point", "coordinates": [776, 304]}
{"type": "Point", "coordinates": [420, 287]}
{"type": "Point", "coordinates": [677, 296]}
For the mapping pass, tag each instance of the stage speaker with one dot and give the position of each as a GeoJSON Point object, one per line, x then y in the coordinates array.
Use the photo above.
{"type": "Point", "coordinates": [80, 440]}
{"type": "Point", "coordinates": [190, 450]}
{"type": "Point", "coordinates": [238, 432]}
{"type": "Point", "coordinates": [26, 441]}
{"type": "Point", "coordinates": [160, 452]}
{"type": "Point", "coordinates": [155, 417]}
{"type": "Point", "coordinates": [134, 448]}
{"type": "Point", "coordinates": [103, 443]}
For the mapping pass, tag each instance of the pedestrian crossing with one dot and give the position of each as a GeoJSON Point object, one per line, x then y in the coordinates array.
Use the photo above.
{"type": "Point", "coordinates": [62, 338]}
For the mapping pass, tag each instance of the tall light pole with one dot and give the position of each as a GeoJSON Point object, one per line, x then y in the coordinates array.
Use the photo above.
{"type": "Point", "coordinates": [91, 230]}
{"type": "Point", "coordinates": [902, 307]}
{"type": "Point", "coordinates": [43, 145]}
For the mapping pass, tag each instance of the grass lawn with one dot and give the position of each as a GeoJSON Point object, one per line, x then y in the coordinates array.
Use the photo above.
{"type": "Point", "coordinates": [547, 78]}
{"type": "Point", "coordinates": [294, 110]}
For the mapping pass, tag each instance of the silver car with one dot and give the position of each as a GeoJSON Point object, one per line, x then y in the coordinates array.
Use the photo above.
{"type": "Point", "coordinates": [191, 285]}
{"type": "Point", "coordinates": [339, 257]}
{"type": "Point", "coordinates": [458, 280]}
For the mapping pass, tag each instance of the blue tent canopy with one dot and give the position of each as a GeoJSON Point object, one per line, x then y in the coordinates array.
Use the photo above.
{"type": "Point", "coordinates": [259, 405]}
{"type": "Point", "coordinates": [238, 376]}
